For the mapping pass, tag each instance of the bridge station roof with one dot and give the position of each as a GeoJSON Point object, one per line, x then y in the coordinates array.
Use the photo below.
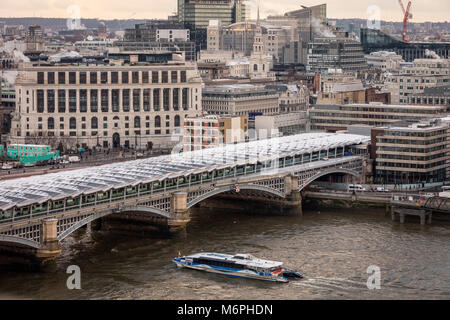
{"type": "Point", "coordinates": [54, 186]}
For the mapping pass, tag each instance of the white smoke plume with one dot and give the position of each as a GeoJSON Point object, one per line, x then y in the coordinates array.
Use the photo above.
{"type": "Point", "coordinates": [321, 29]}
{"type": "Point", "coordinates": [430, 53]}
{"type": "Point", "coordinates": [9, 76]}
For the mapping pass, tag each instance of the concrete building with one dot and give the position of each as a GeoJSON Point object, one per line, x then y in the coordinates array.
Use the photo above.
{"type": "Point", "coordinates": [240, 100]}
{"type": "Point", "coordinates": [335, 53]}
{"type": "Point", "coordinates": [293, 98]}
{"type": "Point", "coordinates": [91, 43]}
{"type": "Point", "coordinates": [201, 133]}
{"type": "Point", "coordinates": [279, 41]}
{"type": "Point", "coordinates": [7, 107]}
{"type": "Point", "coordinates": [212, 131]}
{"type": "Point", "coordinates": [338, 117]}
{"type": "Point", "coordinates": [34, 39]}
{"type": "Point", "coordinates": [117, 105]}
{"type": "Point", "coordinates": [281, 124]}
{"type": "Point", "coordinates": [424, 73]}
{"type": "Point", "coordinates": [159, 35]}
{"type": "Point", "coordinates": [411, 154]}
{"type": "Point", "coordinates": [439, 95]}
{"type": "Point", "coordinates": [384, 60]}
{"type": "Point", "coordinates": [342, 93]}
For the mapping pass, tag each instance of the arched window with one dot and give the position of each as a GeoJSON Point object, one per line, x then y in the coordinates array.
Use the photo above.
{"type": "Point", "coordinates": [255, 67]}
{"type": "Point", "coordinates": [158, 121]}
{"type": "Point", "coordinates": [94, 123]}
{"type": "Point", "coordinates": [177, 121]}
{"type": "Point", "coordinates": [73, 123]}
{"type": "Point", "coordinates": [137, 122]}
{"type": "Point", "coordinates": [51, 123]}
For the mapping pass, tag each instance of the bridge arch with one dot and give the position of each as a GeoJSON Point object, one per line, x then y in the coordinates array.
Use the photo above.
{"type": "Point", "coordinates": [223, 189]}
{"type": "Point", "coordinates": [22, 241]}
{"type": "Point", "coordinates": [99, 215]}
{"type": "Point", "coordinates": [308, 181]}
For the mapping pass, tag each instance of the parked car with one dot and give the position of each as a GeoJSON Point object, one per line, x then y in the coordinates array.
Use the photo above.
{"type": "Point", "coordinates": [356, 187]}
{"type": "Point", "coordinates": [74, 159]}
{"type": "Point", "coordinates": [29, 164]}
{"type": "Point", "coordinates": [380, 189]}
{"type": "Point", "coordinates": [7, 166]}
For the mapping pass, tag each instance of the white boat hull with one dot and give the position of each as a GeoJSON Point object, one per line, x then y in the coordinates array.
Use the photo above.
{"type": "Point", "coordinates": [247, 274]}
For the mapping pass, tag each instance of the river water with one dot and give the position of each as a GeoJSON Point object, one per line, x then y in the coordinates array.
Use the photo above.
{"type": "Point", "coordinates": [332, 248]}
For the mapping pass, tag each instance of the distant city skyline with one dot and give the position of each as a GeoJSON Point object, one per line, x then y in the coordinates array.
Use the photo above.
{"type": "Point", "coordinates": [422, 10]}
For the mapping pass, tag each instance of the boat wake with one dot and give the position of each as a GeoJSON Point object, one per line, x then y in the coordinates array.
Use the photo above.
{"type": "Point", "coordinates": [324, 283]}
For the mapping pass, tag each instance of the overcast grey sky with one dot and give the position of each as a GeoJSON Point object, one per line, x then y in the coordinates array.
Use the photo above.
{"type": "Point", "coordinates": [422, 10]}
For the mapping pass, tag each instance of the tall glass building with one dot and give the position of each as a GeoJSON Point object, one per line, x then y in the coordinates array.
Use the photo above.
{"type": "Point", "coordinates": [195, 14]}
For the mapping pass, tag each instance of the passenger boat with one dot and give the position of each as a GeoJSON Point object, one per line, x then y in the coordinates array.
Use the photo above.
{"type": "Point", "coordinates": [238, 265]}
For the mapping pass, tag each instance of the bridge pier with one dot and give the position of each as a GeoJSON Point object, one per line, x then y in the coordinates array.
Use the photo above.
{"type": "Point", "coordinates": [293, 196]}
{"type": "Point", "coordinates": [50, 246]}
{"type": "Point", "coordinates": [180, 215]}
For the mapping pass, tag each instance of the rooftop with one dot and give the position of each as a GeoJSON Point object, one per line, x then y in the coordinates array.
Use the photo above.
{"type": "Point", "coordinates": [54, 186]}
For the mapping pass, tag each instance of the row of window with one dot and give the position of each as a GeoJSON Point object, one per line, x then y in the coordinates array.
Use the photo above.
{"type": "Point", "coordinates": [94, 123]}
{"type": "Point", "coordinates": [106, 98]}
{"type": "Point", "coordinates": [113, 77]}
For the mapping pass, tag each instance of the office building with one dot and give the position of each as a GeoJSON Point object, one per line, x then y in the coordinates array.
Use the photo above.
{"type": "Point", "coordinates": [334, 118]}
{"type": "Point", "coordinates": [311, 23]}
{"type": "Point", "coordinates": [384, 60]}
{"type": "Point", "coordinates": [335, 53]}
{"type": "Point", "coordinates": [196, 14]}
{"type": "Point", "coordinates": [424, 73]}
{"type": "Point", "coordinates": [159, 35]}
{"type": "Point", "coordinates": [125, 104]}
{"type": "Point", "coordinates": [411, 154]}
{"type": "Point", "coordinates": [240, 100]}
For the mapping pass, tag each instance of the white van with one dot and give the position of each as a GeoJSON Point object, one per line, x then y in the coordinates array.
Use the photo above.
{"type": "Point", "coordinates": [356, 187]}
{"type": "Point", "coordinates": [74, 159]}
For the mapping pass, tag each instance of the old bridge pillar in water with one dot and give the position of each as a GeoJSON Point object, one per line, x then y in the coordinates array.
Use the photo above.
{"type": "Point", "coordinates": [50, 246]}
{"type": "Point", "coordinates": [180, 214]}
{"type": "Point", "coordinates": [293, 202]}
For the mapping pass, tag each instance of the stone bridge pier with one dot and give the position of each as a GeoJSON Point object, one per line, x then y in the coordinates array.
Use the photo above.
{"type": "Point", "coordinates": [50, 246]}
{"type": "Point", "coordinates": [180, 214]}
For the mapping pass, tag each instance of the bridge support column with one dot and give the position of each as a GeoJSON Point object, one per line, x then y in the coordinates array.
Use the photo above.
{"type": "Point", "coordinates": [50, 246]}
{"type": "Point", "coordinates": [180, 214]}
{"type": "Point", "coordinates": [293, 196]}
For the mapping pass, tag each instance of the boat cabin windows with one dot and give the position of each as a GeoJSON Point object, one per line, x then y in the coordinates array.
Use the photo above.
{"type": "Point", "coordinates": [218, 263]}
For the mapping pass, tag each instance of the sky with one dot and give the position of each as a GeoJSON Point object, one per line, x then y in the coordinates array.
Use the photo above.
{"type": "Point", "coordinates": [389, 10]}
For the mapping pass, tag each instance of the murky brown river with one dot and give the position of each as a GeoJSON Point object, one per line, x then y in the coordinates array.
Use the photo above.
{"type": "Point", "coordinates": [332, 249]}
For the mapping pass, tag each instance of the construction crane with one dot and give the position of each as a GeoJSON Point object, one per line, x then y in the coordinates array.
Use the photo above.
{"type": "Point", "coordinates": [406, 16]}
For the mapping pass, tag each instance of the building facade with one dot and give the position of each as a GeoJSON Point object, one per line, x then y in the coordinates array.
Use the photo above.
{"type": "Point", "coordinates": [424, 73]}
{"type": "Point", "coordinates": [335, 53]}
{"type": "Point", "coordinates": [134, 105]}
{"type": "Point", "coordinates": [338, 117]}
{"type": "Point", "coordinates": [384, 60]}
{"type": "Point", "coordinates": [240, 100]}
{"type": "Point", "coordinates": [412, 154]}
{"type": "Point", "coordinates": [201, 133]}
{"type": "Point", "coordinates": [281, 124]}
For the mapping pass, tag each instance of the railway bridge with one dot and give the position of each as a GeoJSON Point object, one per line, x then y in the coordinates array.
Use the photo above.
{"type": "Point", "coordinates": [38, 212]}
